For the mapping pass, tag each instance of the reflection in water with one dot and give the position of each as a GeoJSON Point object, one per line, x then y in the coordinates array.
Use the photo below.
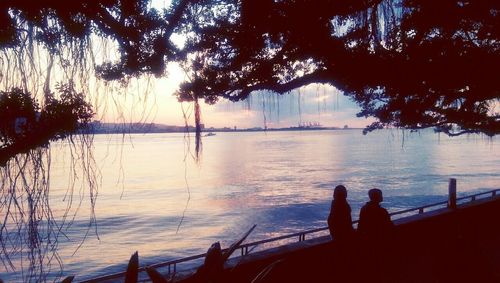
{"type": "Point", "coordinates": [281, 181]}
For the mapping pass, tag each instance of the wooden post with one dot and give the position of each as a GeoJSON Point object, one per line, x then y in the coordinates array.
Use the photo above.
{"type": "Point", "coordinates": [452, 193]}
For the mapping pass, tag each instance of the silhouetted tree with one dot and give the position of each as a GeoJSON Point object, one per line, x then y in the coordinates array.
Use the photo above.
{"type": "Point", "coordinates": [25, 126]}
{"type": "Point", "coordinates": [141, 33]}
{"type": "Point", "coordinates": [409, 63]}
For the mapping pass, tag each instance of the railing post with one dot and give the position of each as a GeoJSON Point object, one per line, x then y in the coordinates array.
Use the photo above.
{"type": "Point", "coordinates": [452, 193]}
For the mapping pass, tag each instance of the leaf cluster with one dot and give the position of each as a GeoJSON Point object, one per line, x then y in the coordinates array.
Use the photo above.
{"type": "Point", "coordinates": [403, 62]}
{"type": "Point", "coordinates": [24, 125]}
{"type": "Point", "coordinates": [408, 63]}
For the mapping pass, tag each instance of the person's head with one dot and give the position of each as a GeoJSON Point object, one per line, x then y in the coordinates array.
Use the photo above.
{"type": "Point", "coordinates": [340, 192]}
{"type": "Point", "coordinates": [375, 195]}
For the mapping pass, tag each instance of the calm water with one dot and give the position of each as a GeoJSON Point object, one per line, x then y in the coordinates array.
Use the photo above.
{"type": "Point", "coordinates": [155, 200]}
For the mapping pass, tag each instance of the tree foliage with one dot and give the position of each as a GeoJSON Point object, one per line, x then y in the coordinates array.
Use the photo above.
{"type": "Point", "coordinates": [409, 63]}
{"type": "Point", "coordinates": [25, 126]}
{"type": "Point", "coordinates": [142, 34]}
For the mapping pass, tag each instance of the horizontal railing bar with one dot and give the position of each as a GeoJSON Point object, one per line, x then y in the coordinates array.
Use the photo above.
{"type": "Point", "coordinates": [143, 268]}
{"type": "Point", "coordinates": [478, 194]}
{"type": "Point", "coordinates": [162, 264]}
{"type": "Point", "coordinates": [417, 208]}
{"type": "Point", "coordinates": [297, 234]}
{"type": "Point", "coordinates": [284, 237]}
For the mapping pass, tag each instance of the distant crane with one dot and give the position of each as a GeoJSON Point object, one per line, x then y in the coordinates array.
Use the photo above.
{"type": "Point", "coordinates": [309, 125]}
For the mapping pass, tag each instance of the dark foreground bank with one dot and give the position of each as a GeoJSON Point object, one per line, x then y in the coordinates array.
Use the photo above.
{"type": "Point", "coordinates": [455, 244]}
{"type": "Point", "coordinates": [446, 245]}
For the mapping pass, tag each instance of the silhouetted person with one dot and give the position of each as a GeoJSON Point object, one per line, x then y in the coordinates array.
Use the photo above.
{"type": "Point", "coordinates": [375, 229]}
{"type": "Point", "coordinates": [342, 257]}
{"type": "Point", "coordinates": [374, 220]}
{"type": "Point", "coordinates": [339, 220]}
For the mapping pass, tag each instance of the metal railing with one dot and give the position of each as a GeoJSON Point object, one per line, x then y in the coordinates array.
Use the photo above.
{"type": "Point", "coordinates": [246, 248]}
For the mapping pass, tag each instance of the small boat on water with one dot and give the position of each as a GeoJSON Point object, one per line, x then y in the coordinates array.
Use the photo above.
{"type": "Point", "coordinates": [209, 134]}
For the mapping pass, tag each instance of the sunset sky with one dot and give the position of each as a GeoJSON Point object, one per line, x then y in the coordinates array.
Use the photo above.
{"type": "Point", "coordinates": [322, 104]}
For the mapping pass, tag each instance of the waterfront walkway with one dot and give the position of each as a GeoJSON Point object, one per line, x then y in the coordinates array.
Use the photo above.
{"type": "Point", "coordinates": [433, 243]}
{"type": "Point", "coordinates": [443, 245]}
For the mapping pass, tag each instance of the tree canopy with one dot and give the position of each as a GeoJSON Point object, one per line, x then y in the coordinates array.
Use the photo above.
{"type": "Point", "coordinates": [409, 63]}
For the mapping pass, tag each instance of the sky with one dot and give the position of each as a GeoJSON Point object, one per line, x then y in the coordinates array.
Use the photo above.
{"type": "Point", "coordinates": [321, 104]}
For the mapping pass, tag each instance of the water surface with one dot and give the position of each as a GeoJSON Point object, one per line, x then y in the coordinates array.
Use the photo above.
{"type": "Point", "coordinates": [155, 199]}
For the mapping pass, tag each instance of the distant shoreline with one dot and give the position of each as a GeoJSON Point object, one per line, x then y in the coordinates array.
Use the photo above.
{"type": "Point", "coordinates": [138, 128]}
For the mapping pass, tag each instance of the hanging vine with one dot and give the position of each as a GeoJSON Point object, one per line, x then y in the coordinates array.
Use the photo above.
{"type": "Point", "coordinates": [403, 63]}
